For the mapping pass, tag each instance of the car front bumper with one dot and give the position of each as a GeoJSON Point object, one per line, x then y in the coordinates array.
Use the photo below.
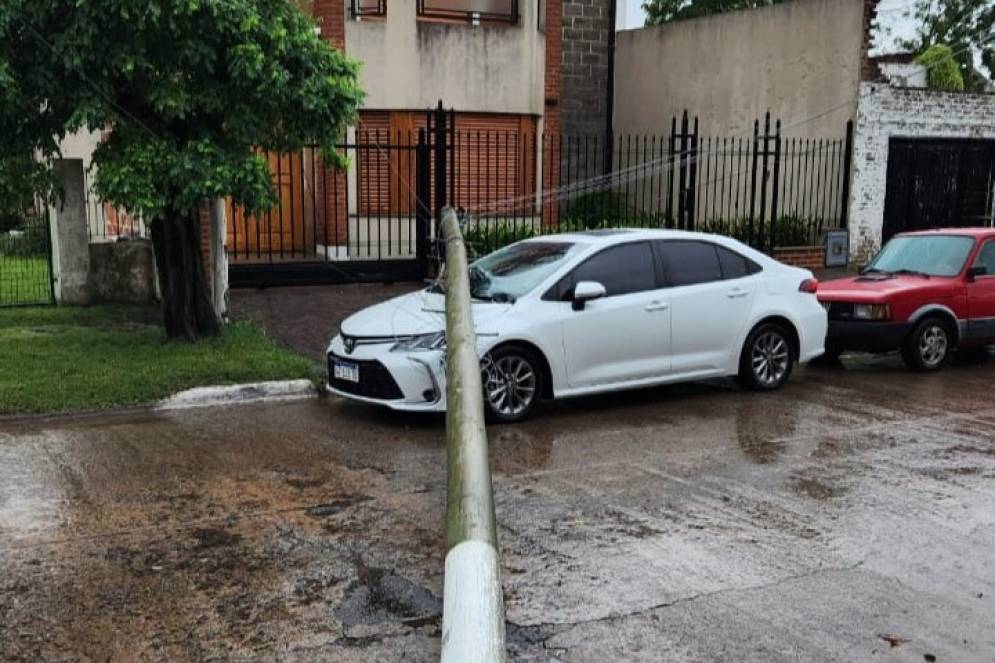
{"type": "Point", "coordinates": [413, 381]}
{"type": "Point", "coordinates": [865, 336]}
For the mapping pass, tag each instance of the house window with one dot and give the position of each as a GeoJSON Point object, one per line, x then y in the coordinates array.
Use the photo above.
{"type": "Point", "coordinates": [505, 11]}
{"type": "Point", "coordinates": [363, 8]}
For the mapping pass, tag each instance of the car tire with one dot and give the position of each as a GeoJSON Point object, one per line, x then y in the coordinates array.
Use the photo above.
{"type": "Point", "coordinates": [767, 358]}
{"type": "Point", "coordinates": [930, 345]}
{"type": "Point", "coordinates": [512, 380]}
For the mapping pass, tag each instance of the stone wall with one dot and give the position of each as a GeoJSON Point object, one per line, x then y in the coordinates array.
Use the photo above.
{"type": "Point", "coordinates": [587, 26]}
{"type": "Point", "coordinates": [122, 272]}
{"type": "Point", "coordinates": [887, 112]}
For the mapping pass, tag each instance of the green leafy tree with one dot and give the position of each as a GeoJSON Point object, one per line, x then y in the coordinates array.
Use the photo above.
{"type": "Point", "coordinates": [967, 27]}
{"type": "Point", "coordinates": [190, 91]}
{"type": "Point", "coordinates": [942, 70]}
{"type": "Point", "coordinates": [667, 11]}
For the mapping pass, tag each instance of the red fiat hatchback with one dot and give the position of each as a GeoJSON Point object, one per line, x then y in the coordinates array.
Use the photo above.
{"type": "Point", "coordinates": [925, 294]}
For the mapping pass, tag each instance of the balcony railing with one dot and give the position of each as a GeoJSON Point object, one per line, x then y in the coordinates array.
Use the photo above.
{"type": "Point", "coordinates": [471, 11]}
{"type": "Point", "coordinates": [363, 8]}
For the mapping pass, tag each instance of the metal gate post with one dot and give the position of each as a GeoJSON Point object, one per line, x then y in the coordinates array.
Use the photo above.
{"type": "Point", "coordinates": [423, 196]}
{"type": "Point", "coordinates": [692, 184]}
{"type": "Point", "coordinates": [847, 163]}
{"type": "Point", "coordinates": [682, 174]}
{"type": "Point", "coordinates": [764, 180]}
{"type": "Point", "coordinates": [777, 178]}
{"type": "Point", "coordinates": [439, 134]}
{"type": "Point", "coordinates": [670, 171]}
{"type": "Point", "coordinates": [753, 180]}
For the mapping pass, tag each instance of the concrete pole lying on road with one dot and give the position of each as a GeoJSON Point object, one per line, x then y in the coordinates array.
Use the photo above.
{"type": "Point", "coordinates": [473, 610]}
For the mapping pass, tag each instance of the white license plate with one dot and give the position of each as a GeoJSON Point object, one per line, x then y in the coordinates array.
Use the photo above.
{"type": "Point", "coordinates": [343, 370]}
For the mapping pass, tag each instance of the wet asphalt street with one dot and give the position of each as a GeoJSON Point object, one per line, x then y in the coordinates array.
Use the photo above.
{"type": "Point", "coordinates": [848, 517]}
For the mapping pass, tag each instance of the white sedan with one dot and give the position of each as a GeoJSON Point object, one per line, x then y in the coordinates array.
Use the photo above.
{"type": "Point", "coordinates": [590, 312]}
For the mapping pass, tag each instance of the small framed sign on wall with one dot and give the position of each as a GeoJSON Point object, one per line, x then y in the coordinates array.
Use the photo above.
{"type": "Point", "coordinates": [837, 248]}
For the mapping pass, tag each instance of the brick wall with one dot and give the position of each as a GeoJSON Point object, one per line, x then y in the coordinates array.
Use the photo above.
{"type": "Point", "coordinates": [204, 217]}
{"type": "Point", "coordinates": [885, 112]}
{"type": "Point", "coordinates": [331, 17]}
{"type": "Point", "coordinates": [869, 70]}
{"type": "Point", "coordinates": [806, 257]}
{"type": "Point", "coordinates": [331, 185]}
{"type": "Point", "coordinates": [587, 26]}
{"type": "Point", "coordinates": [551, 106]}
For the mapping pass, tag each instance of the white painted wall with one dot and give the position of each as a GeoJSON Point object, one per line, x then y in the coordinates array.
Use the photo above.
{"type": "Point", "coordinates": [886, 112]}
{"type": "Point", "coordinates": [80, 145]}
{"type": "Point", "coordinates": [409, 64]}
{"type": "Point", "coordinates": [799, 59]}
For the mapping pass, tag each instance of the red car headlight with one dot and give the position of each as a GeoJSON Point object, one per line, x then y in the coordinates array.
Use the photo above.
{"type": "Point", "coordinates": [871, 312]}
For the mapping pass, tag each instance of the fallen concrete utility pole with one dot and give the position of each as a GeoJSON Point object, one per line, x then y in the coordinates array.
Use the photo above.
{"type": "Point", "coordinates": [473, 610]}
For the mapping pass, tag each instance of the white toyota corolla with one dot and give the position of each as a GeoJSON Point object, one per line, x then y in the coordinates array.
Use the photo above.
{"type": "Point", "coordinates": [589, 312]}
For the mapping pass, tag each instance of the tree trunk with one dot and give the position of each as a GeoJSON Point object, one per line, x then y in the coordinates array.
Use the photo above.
{"type": "Point", "coordinates": [186, 307]}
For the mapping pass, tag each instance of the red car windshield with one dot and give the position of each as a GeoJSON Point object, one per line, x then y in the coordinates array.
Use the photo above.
{"type": "Point", "coordinates": [931, 255]}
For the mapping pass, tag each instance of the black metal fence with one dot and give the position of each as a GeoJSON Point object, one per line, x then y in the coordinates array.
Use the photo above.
{"type": "Point", "coordinates": [26, 261]}
{"type": "Point", "coordinates": [108, 223]}
{"type": "Point", "coordinates": [764, 189]}
{"type": "Point", "coordinates": [377, 219]}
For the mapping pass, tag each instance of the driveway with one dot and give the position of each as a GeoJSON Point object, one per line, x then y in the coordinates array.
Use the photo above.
{"type": "Point", "coordinates": [847, 517]}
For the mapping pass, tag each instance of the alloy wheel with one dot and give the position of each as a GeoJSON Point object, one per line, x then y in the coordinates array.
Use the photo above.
{"type": "Point", "coordinates": [509, 384]}
{"type": "Point", "coordinates": [770, 358]}
{"type": "Point", "coordinates": [933, 345]}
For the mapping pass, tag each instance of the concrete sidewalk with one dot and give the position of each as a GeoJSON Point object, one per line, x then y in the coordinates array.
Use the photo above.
{"type": "Point", "coordinates": [305, 318]}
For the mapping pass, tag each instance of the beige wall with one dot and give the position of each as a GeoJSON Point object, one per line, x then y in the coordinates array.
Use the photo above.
{"type": "Point", "coordinates": [798, 59]}
{"type": "Point", "coordinates": [411, 64]}
{"type": "Point", "coordinates": [80, 145]}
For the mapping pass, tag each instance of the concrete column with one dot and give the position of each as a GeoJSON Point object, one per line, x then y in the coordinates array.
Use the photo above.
{"type": "Point", "coordinates": [70, 240]}
{"type": "Point", "coordinates": [219, 259]}
{"type": "Point", "coordinates": [472, 609]}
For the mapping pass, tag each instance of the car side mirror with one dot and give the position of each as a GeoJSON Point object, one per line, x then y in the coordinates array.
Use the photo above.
{"type": "Point", "coordinates": [585, 291]}
{"type": "Point", "coordinates": [976, 271]}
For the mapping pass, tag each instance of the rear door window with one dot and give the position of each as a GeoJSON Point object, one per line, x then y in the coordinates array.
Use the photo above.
{"type": "Point", "coordinates": [735, 266]}
{"type": "Point", "coordinates": [689, 262]}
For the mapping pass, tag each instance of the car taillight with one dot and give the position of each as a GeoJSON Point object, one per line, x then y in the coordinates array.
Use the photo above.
{"type": "Point", "coordinates": [809, 286]}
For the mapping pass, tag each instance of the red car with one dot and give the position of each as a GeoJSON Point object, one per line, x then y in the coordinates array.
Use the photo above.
{"type": "Point", "coordinates": [925, 294]}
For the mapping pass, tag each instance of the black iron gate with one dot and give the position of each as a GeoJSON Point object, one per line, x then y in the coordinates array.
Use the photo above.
{"type": "Point", "coordinates": [939, 183]}
{"type": "Point", "coordinates": [376, 221]}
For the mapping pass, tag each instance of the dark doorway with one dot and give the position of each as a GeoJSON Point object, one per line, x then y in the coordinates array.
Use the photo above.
{"type": "Point", "coordinates": [939, 183]}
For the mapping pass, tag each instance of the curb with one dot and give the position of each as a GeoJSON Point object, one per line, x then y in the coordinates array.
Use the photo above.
{"type": "Point", "coordinates": [238, 394]}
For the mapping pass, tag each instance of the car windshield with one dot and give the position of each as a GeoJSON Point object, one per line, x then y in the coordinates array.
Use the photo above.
{"type": "Point", "coordinates": [509, 273]}
{"type": "Point", "coordinates": [929, 255]}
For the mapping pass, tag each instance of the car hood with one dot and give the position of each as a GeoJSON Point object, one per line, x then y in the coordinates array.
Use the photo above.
{"type": "Point", "coordinates": [420, 312]}
{"type": "Point", "coordinates": [871, 289]}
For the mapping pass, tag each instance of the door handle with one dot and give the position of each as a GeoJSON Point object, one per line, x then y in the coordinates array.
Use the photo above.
{"type": "Point", "coordinates": [737, 293]}
{"type": "Point", "coordinates": [657, 306]}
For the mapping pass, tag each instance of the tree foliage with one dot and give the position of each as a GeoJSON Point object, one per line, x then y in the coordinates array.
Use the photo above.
{"type": "Point", "coordinates": [966, 26]}
{"type": "Point", "coordinates": [186, 94]}
{"type": "Point", "coordinates": [667, 11]}
{"type": "Point", "coordinates": [189, 90]}
{"type": "Point", "coordinates": [942, 70]}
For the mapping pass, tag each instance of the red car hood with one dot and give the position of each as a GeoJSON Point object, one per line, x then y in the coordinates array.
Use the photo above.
{"type": "Point", "coordinates": [876, 289]}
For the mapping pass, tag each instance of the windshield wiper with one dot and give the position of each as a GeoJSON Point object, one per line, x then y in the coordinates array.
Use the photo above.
{"type": "Point", "coordinates": [911, 272]}
{"type": "Point", "coordinates": [874, 270]}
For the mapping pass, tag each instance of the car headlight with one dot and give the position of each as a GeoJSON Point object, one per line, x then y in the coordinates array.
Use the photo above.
{"type": "Point", "coordinates": [871, 312]}
{"type": "Point", "coordinates": [421, 343]}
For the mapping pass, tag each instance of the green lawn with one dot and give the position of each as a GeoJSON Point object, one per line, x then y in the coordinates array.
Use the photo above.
{"type": "Point", "coordinates": [62, 359]}
{"type": "Point", "coordinates": [24, 280]}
